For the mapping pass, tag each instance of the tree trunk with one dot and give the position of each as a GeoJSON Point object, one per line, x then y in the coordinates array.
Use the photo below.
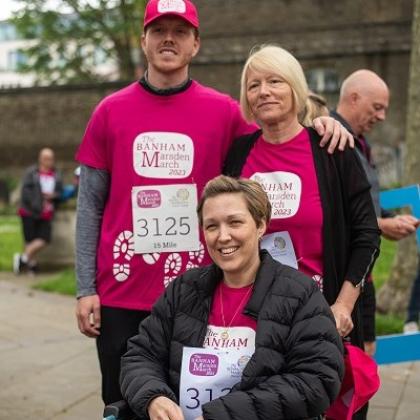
{"type": "Point", "coordinates": [394, 295]}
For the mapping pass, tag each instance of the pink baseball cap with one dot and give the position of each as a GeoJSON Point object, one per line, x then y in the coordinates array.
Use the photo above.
{"type": "Point", "coordinates": [360, 383]}
{"type": "Point", "coordinates": [184, 9]}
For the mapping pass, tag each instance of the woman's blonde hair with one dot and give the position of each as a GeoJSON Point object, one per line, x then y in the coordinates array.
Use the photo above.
{"type": "Point", "coordinates": [276, 60]}
{"type": "Point", "coordinates": [256, 198]}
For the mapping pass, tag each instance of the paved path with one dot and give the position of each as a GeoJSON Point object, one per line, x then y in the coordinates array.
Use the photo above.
{"type": "Point", "coordinates": [49, 371]}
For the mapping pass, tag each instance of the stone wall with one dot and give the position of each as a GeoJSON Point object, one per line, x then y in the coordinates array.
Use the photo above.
{"type": "Point", "coordinates": [32, 118]}
{"type": "Point", "coordinates": [340, 36]}
{"type": "Point", "coordinates": [60, 252]}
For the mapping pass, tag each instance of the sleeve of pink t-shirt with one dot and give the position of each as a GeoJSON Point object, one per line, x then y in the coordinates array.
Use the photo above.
{"type": "Point", "coordinates": [93, 149]}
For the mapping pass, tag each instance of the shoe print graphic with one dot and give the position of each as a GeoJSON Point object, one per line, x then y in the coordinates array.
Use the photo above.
{"type": "Point", "coordinates": [123, 250]}
{"type": "Point", "coordinates": [172, 268]}
{"type": "Point", "coordinates": [195, 258]}
{"type": "Point", "coordinates": [124, 245]}
{"type": "Point", "coordinates": [151, 258]}
{"type": "Point", "coordinates": [319, 280]}
{"type": "Point", "coordinates": [121, 272]}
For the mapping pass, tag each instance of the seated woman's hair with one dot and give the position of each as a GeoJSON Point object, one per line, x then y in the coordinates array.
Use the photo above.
{"type": "Point", "coordinates": [256, 199]}
{"type": "Point", "coordinates": [276, 60]}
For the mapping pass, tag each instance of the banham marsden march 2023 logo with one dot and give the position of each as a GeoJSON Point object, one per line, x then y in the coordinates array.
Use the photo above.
{"type": "Point", "coordinates": [149, 199]}
{"type": "Point", "coordinates": [163, 155]}
{"type": "Point", "coordinates": [203, 364]}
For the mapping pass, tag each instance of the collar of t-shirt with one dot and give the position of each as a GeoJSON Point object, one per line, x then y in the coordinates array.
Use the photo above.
{"type": "Point", "coordinates": [164, 92]}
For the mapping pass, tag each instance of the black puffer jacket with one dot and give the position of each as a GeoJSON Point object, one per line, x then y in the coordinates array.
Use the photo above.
{"type": "Point", "coordinates": [297, 367]}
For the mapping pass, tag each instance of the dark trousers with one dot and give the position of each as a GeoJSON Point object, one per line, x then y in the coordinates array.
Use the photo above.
{"type": "Point", "coordinates": [368, 305]}
{"type": "Point", "coordinates": [362, 413]}
{"type": "Point", "coordinates": [414, 304]}
{"type": "Point", "coordinates": [117, 326]}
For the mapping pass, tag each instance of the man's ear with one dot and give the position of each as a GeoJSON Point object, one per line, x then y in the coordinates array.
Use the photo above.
{"type": "Point", "coordinates": [354, 98]}
{"type": "Point", "coordinates": [142, 40]}
{"type": "Point", "coordinates": [197, 43]}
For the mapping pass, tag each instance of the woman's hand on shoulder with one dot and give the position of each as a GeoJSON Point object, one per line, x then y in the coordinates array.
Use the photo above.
{"type": "Point", "coordinates": [163, 408]}
{"type": "Point", "coordinates": [333, 134]}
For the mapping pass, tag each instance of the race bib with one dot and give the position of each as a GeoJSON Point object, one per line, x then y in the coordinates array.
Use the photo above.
{"type": "Point", "coordinates": [207, 374]}
{"type": "Point", "coordinates": [280, 247]}
{"type": "Point", "coordinates": [165, 218]}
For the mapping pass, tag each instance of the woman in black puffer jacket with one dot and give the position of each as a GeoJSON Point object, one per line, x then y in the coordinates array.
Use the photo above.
{"type": "Point", "coordinates": [246, 302]}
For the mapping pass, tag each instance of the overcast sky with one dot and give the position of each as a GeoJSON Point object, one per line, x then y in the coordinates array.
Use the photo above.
{"type": "Point", "coordinates": [9, 6]}
{"type": "Point", "coordinates": [6, 7]}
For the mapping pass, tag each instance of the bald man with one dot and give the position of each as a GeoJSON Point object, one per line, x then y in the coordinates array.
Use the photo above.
{"type": "Point", "coordinates": [363, 103]}
{"type": "Point", "coordinates": [41, 189]}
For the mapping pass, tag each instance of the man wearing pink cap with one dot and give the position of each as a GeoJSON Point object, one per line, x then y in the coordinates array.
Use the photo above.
{"type": "Point", "coordinates": [146, 155]}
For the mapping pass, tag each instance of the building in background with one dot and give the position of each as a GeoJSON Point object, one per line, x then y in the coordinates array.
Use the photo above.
{"type": "Point", "coordinates": [12, 55]}
{"type": "Point", "coordinates": [331, 39]}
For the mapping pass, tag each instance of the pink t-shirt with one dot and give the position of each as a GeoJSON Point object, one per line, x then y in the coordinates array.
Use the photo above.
{"type": "Point", "coordinates": [287, 173]}
{"type": "Point", "coordinates": [226, 315]}
{"type": "Point", "coordinates": [146, 140]}
{"type": "Point", "coordinates": [47, 181]}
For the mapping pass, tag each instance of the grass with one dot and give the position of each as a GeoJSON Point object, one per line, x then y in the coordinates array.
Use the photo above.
{"type": "Point", "coordinates": [386, 324]}
{"type": "Point", "coordinates": [384, 262]}
{"type": "Point", "coordinates": [11, 240]}
{"type": "Point", "coordinates": [63, 283]}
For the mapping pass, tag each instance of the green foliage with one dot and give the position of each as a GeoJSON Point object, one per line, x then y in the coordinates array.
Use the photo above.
{"type": "Point", "coordinates": [70, 41]}
{"type": "Point", "coordinates": [388, 324]}
{"type": "Point", "coordinates": [384, 262]}
{"type": "Point", "coordinates": [11, 182]}
{"type": "Point", "coordinates": [10, 240]}
{"type": "Point", "coordinates": [63, 283]}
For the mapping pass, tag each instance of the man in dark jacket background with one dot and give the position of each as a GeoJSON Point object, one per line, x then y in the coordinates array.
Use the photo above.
{"type": "Point", "coordinates": [41, 190]}
{"type": "Point", "coordinates": [363, 103]}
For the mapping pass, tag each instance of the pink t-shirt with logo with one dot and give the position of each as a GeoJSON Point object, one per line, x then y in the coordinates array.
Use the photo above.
{"type": "Point", "coordinates": [226, 315]}
{"type": "Point", "coordinates": [287, 173]}
{"type": "Point", "coordinates": [146, 140]}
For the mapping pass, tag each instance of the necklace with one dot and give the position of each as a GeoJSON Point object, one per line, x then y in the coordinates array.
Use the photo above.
{"type": "Point", "coordinates": [225, 333]}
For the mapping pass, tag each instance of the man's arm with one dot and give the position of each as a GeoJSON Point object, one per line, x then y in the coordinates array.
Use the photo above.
{"type": "Point", "coordinates": [398, 227]}
{"type": "Point", "coordinates": [93, 193]}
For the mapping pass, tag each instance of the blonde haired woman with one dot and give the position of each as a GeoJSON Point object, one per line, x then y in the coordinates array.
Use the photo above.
{"type": "Point", "coordinates": [320, 203]}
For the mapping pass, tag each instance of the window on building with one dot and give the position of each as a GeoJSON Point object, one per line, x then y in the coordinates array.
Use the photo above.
{"type": "Point", "coordinates": [100, 56]}
{"type": "Point", "coordinates": [15, 58]}
{"type": "Point", "coordinates": [323, 80]}
{"type": "Point", "coordinates": [7, 32]}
